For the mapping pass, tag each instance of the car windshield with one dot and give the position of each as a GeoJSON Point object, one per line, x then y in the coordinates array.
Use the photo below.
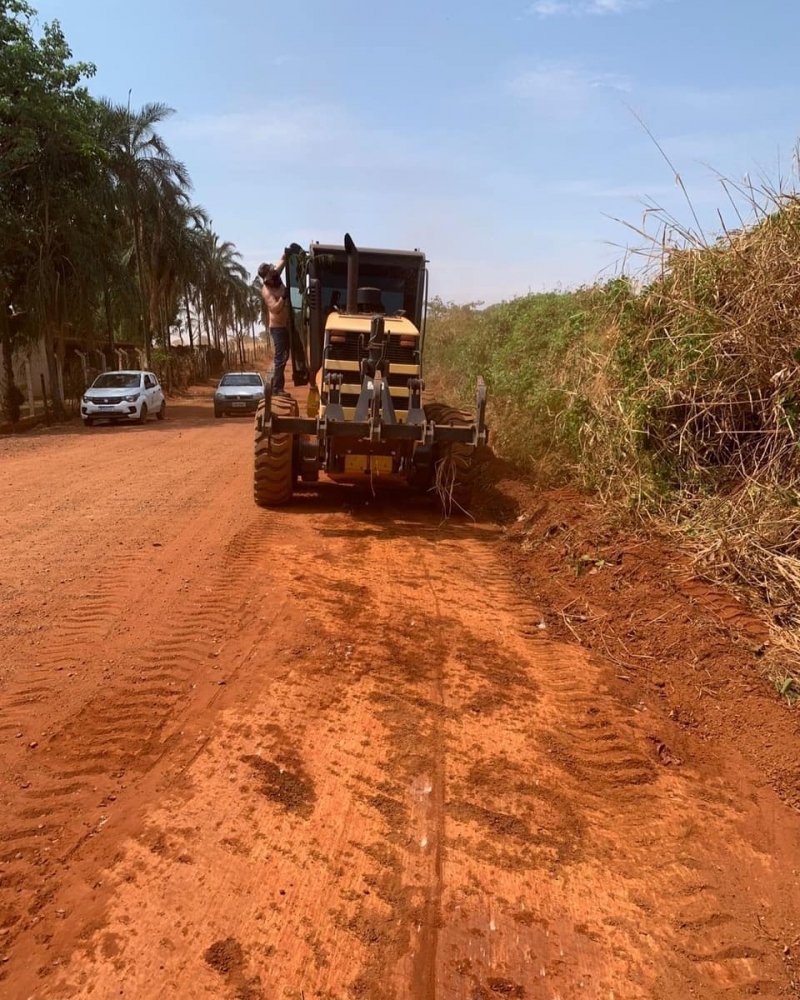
{"type": "Point", "coordinates": [241, 380]}
{"type": "Point", "coordinates": [117, 380]}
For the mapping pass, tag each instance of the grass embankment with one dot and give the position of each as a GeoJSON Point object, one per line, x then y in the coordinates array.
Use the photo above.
{"type": "Point", "coordinates": [678, 400]}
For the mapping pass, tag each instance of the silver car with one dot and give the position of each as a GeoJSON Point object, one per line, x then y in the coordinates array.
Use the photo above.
{"type": "Point", "coordinates": [238, 392]}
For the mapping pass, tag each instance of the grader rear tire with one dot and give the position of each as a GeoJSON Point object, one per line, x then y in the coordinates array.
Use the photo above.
{"type": "Point", "coordinates": [273, 472]}
{"type": "Point", "coordinates": [455, 469]}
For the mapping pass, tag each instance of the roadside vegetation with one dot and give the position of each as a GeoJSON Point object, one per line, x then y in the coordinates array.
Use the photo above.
{"type": "Point", "coordinates": [100, 240]}
{"type": "Point", "coordinates": [674, 398]}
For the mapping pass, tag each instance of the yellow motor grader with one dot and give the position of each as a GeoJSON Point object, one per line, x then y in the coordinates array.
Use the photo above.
{"type": "Point", "coordinates": [358, 332]}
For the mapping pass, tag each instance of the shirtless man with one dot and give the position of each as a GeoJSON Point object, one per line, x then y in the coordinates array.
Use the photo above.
{"type": "Point", "coordinates": [276, 303]}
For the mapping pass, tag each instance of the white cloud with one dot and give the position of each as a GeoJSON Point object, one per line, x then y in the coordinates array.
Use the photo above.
{"type": "Point", "coordinates": [549, 8]}
{"type": "Point", "coordinates": [554, 8]}
{"type": "Point", "coordinates": [560, 91]}
{"type": "Point", "coordinates": [610, 6]}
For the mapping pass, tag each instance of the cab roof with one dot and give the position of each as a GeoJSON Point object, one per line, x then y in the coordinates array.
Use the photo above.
{"type": "Point", "coordinates": [374, 254]}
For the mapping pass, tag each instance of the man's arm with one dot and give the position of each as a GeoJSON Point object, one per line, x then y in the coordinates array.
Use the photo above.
{"type": "Point", "coordinates": [292, 248]}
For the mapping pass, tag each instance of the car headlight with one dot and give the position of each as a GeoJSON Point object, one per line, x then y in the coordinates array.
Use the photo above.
{"type": "Point", "coordinates": [132, 399]}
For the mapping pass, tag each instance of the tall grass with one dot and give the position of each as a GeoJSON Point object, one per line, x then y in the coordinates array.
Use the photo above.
{"type": "Point", "coordinates": [523, 348]}
{"type": "Point", "coordinates": [679, 399]}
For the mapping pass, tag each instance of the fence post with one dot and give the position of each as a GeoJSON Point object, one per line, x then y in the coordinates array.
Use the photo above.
{"type": "Point", "coordinates": [44, 399]}
{"type": "Point", "coordinates": [60, 370]}
{"type": "Point", "coordinates": [29, 387]}
{"type": "Point", "coordinates": [85, 368]}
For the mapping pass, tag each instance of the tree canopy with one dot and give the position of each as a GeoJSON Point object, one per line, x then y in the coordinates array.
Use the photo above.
{"type": "Point", "coordinates": [100, 240]}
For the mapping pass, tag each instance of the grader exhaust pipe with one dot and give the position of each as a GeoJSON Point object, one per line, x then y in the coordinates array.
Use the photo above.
{"type": "Point", "coordinates": [352, 274]}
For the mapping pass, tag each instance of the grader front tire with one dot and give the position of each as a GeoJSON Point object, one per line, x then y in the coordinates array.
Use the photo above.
{"type": "Point", "coordinates": [273, 472]}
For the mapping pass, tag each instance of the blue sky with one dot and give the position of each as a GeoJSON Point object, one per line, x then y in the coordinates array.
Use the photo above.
{"type": "Point", "coordinates": [497, 136]}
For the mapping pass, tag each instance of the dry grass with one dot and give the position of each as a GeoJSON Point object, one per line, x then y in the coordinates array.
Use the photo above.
{"type": "Point", "coordinates": [445, 486]}
{"type": "Point", "coordinates": [694, 412]}
{"type": "Point", "coordinates": [676, 397]}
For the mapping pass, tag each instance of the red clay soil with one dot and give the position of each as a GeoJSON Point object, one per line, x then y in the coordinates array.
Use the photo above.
{"type": "Point", "coordinates": [638, 605]}
{"type": "Point", "coordinates": [330, 752]}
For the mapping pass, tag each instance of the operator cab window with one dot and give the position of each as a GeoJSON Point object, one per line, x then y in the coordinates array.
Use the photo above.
{"type": "Point", "coordinates": [293, 281]}
{"type": "Point", "coordinates": [398, 290]}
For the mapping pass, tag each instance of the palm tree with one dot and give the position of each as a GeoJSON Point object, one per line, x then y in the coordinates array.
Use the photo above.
{"type": "Point", "coordinates": [147, 174]}
{"type": "Point", "coordinates": [174, 257]}
{"type": "Point", "coordinates": [98, 236]}
{"type": "Point", "coordinates": [221, 273]}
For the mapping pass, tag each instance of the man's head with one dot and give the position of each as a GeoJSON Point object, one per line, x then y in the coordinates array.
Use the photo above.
{"type": "Point", "coordinates": [268, 274]}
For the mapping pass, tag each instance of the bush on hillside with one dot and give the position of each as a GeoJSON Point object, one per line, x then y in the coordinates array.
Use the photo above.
{"type": "Point", "coordinates": [680, 398]}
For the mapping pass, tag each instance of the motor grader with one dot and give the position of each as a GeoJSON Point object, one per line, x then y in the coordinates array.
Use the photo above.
{"type": "Point", "coordinates": [359, 318]}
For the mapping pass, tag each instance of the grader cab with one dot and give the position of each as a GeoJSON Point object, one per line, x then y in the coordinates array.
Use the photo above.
{"type": "Point", "coordinates": [360, 319]}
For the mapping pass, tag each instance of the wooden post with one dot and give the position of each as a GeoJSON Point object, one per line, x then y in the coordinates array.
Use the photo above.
{"type": "Point", "coordinates": [29, 386]}
{"type": "Point", "coordinates": [85, 368]}
{"type": "Point", "coordinates": [44, 399]}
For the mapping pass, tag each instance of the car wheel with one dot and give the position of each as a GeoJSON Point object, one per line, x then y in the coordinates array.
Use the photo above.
{"type": "Point", "coordinates": [88, 422]}
{"type": "Point", "coordinates": [142, 414]}
{"type": "Point", "coordinates": [218, 413]}
{"type": "Point", "coordinates": [162, 413]}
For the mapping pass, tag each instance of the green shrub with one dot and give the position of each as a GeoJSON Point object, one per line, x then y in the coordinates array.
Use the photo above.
{"type": "Point", "coordinates": [680, 398]}
{"type": "Point", "coordinates": [523, 348]}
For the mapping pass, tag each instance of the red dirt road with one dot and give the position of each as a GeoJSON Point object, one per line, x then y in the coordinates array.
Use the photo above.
{"type": "Point", "coordinates": [329, 752]}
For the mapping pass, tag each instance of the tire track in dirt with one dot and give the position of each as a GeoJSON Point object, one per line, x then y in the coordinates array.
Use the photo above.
{"type": "Point", "coordinates": [410, 792]}
{"type": "Point", "coordinates": [119, 733]}
{"type": "Point", "coordinates": [314, 693]}
{"type": "Point", "coordinates": [427, 802]}
{"type": "Point", "coordinates": [608, 765]}
{"type": "Point", "coordinates": [100, 693]}
{"type": "Point", "coordinates": [424, 975]}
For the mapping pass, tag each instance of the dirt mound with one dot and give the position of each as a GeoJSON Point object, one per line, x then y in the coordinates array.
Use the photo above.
{"type": "Point", "coordinates": [635, 602]}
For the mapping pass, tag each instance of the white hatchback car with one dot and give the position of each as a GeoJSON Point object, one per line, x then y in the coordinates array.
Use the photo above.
{"type": "Point", "coordinates": [123, 396]}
